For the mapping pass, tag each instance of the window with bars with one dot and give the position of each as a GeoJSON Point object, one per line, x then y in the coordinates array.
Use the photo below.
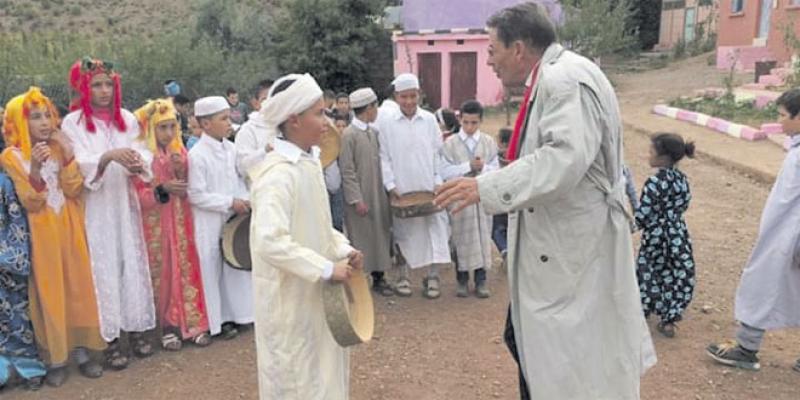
{"type": "Point", "coordinates": [737, 6]}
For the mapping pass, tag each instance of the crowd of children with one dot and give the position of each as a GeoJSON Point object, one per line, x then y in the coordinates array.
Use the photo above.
{"type": "Point", "coordinates": [111, 220]}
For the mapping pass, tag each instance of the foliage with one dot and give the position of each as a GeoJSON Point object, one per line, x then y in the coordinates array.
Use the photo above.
{"type": "Point", "coordinates": [340, 42]}
{"type": "Point", "coordinates": [598, 27]}
{"type": "Point", "coordinates": [726, 107]}
{"type": "Point", "coordinates": [201, 67]}
{"type": "Point", "coordinates": [646, 19]}
{"type": "Point", "coordinates": [235, 25]}
{"type": "Point", "coordinates": [792, 43]}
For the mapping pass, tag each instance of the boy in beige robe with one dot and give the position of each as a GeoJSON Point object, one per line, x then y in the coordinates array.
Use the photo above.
{"type": "Point", "coordinates": [295, 250]}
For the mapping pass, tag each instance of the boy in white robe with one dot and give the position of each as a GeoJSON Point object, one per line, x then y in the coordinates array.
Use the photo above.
{"type": "Point", "coordinates": [217, 192]}
{"type": "Point", "coordinates": [252, 141]}
{"type": "Point", "coordinates": [295, 250]}
{"type": "Point", "coordinates": [769, 291]}
{"type": "Point", "coordinates": [471, 152]}
{"type": "Point", "coordinates": [410, 142]}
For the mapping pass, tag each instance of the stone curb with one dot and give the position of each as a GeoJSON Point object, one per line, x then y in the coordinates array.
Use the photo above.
{"type": "Point", "coordinates": [718, 124]}
{"type": "Point", "coordinates": [759, 176]}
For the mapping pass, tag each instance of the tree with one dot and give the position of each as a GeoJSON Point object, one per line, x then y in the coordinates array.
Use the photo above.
{"type": "Point", "coordinates": [646, 19]}
{"type": "Point", "coordinates": [340, 42]}
{"type": "Point", "coordinates": [597, 27]}
{"type": "Point", "coordinates": [235, 25]}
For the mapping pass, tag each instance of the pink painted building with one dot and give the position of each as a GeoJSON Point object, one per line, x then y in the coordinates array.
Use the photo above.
{"type": "Point", "coordinates": [445, 43]}
{"type": "Point", "coordinates": [753, 30]}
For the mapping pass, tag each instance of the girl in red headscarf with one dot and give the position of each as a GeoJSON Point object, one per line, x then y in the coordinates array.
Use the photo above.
{"type": "Point", "coordinates": [110, 154]}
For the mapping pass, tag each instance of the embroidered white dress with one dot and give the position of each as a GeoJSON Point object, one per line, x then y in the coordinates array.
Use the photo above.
{"type": "Point", "coordinates": [113, 226]}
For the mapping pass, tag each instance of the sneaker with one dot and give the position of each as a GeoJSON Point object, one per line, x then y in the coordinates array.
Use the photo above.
{"type": "Point", "coordinates": [731, 354]}
{"type": "Point", "coordinates": [462, 290]}
{"type": "Point", "coordinates": [56, 376]}
{"type": "Point", "coordinates": [229, 331]}
{"type": "Point", "coordinates": [667, 329]}
{"type": "Point", "coordinates": [91, 369]}
{"type": "Point", "coordinates": [382, 287]}
{"type": "Point", "coordinates": [481, 291]}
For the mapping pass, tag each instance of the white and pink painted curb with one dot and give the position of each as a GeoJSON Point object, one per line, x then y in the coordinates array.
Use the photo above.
{"type": "Point", "coordinates": [720, 125]}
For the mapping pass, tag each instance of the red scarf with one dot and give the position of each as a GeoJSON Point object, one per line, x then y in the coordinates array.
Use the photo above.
{"type": "Point", "coordinates": [513, 145]}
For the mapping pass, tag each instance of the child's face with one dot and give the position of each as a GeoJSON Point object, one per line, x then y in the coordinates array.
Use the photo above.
{"type": "Point", "coordinates": [656, 160]}
{"type": "Point", "coordinates": [470, 123]}
{"type": "Point", "coordinates": [102, 88]}
{"type": "Point", "coordinates": [343, 105]}
{"type": "Point", "coordinates": [791, 125]}
{"type": "Point", "coordinates": [233, 98]}
{"type": "Point", "coordinates": [255, 103]}
{"type": "Point", "coordinates": [165, 132]}
{"type": "Point", "coordinates": [307, 128]}
{"type": "Point", "coordinates": [407, 100]}
{"type": "Point", "coordinates": [218, 125]}
{"type": "Point", "coordinates": [195, 126]}
{"type": "Point", "coordinates": [341, 124]}
{"type": "Point", "coordinates": [40, 124]}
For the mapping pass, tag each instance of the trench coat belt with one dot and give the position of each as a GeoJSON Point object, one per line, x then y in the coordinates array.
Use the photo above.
{"type": "Point", "coordinates": [614, 196]}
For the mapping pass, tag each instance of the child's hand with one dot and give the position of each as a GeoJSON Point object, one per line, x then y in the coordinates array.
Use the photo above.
{"type": "Point", "coordinates": [240, 206]}
{"type": "Point", "coordinates": [176, 187]}
{"type": "Point", "coordinates": [40, 153]}
{"type": "Point", "coordinates": [356, 259]}
{"type": "Point", "coordinates": [362, 209]}
{"type": "Point", "coordinates": [341, 271]}
{"type": "Point", "coordinates": [476, 165]}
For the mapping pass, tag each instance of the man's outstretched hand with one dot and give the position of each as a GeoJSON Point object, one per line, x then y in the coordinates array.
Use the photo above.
{"type": "Point", "coordinates": [461, 192]}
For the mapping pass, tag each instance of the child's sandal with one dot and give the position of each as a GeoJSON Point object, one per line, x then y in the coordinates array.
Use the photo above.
{"type": "Point", "coordinates": [141, 346]}
{"type": "Point", "coordinates": [34, 384]}
{"type": "Point", "coordinates": [171, 342]}
{"type": "Point", "coordinates": [202, 340]}
{"type": "Point", "coordinates": [114, 357]}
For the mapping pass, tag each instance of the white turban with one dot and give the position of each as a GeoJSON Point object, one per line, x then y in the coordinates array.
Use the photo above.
{"type": "Point", "coordinates": [298, 97]}
{"type": "Point", "coordinates": [405, 82]}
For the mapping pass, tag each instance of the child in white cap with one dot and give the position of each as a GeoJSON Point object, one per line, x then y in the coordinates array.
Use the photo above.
{"type": "Point", "coordinates": [217, 192]}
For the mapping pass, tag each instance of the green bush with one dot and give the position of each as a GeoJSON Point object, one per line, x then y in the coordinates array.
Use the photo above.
{"type": "Point", "coordinates": [201, 68]}
{"type": "Point", "coordinates": [75, 10]}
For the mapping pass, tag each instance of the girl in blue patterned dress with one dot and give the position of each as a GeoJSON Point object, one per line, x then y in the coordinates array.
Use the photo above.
{"type": "Point", "coordinates": [666, 267]}
{"type": "Point", "coordinates": [18, 351]}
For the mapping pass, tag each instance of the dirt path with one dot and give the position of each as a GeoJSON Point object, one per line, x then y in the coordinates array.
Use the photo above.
{"type": "Point", "coordinates": [451, 348]}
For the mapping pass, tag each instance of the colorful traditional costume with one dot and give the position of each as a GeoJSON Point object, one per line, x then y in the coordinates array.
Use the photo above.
{"type": "Point", "coordinates": [63, 302]}
{"type": "Point", "coordinates": [17, 347]}
{"type": "Point", "coordinates": [169, 230]}
{"type": "Point", "coordinates": [113, 218]}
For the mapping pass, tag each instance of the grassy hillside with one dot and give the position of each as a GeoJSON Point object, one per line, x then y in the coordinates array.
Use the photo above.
{"type": "Point", "coordinates": [116, 17]}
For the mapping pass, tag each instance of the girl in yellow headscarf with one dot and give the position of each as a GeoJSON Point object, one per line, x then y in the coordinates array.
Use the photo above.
{"type": "Point", "coordinates": [63, 306]}
{"type": "Point", "coordinates": [169, 230]}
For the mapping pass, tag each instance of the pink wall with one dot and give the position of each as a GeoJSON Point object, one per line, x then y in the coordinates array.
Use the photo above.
{"type": "Point", "coordinates": [406, 48]}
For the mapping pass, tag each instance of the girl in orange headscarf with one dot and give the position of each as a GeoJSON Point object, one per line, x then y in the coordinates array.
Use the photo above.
{"type": "Point", "coordinates": [39, 159]}
{"type": "Point", "coordinates": [169, 230]}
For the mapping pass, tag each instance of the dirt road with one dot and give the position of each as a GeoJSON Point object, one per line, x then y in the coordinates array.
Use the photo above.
{"type": "Point", "coordinates": [451, 348]}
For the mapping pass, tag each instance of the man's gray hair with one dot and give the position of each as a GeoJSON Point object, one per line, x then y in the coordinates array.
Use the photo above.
{"type": "Point", "coordinates": [528, 22]}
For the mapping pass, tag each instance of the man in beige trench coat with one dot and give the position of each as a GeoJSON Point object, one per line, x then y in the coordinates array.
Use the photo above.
{"type": "Point", "coordinates": [576, 324]}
